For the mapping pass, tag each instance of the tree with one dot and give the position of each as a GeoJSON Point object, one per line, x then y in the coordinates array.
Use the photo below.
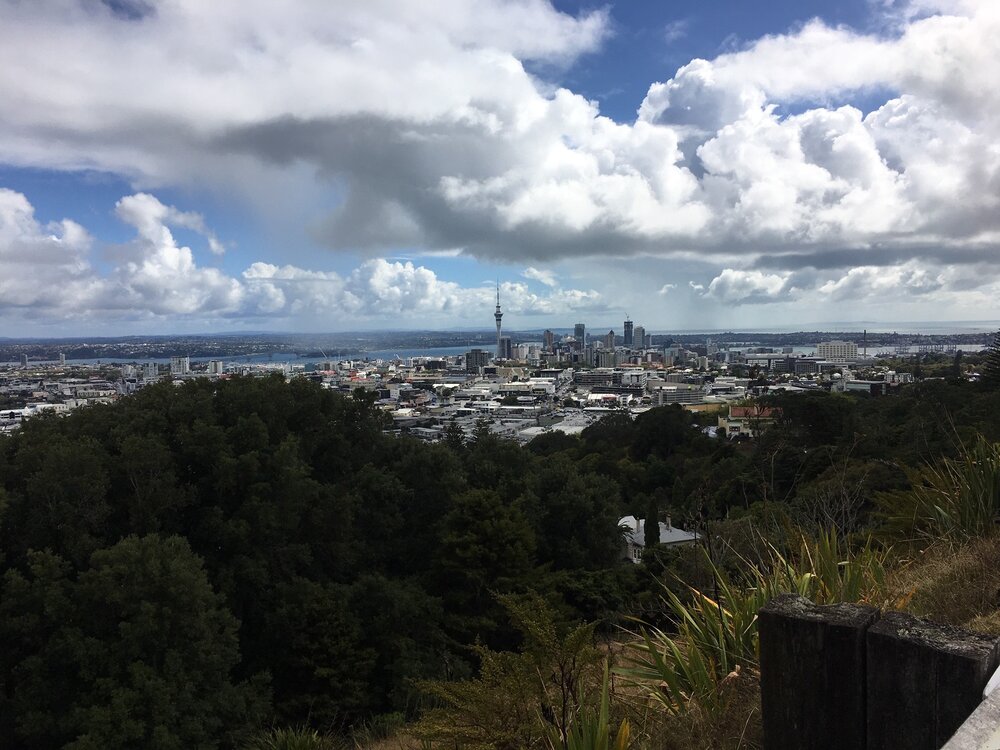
{"type": "Point", "coordinates": [482, 433]}
{"type": "Point", "coordinates": [320, 666]}
{"type": "Point", "coordinates": [549, 443]}
{"type": "Point", "coordinates": [487, 546]}
{"type": "Point", "coordinates": [651, 528]}
{"type": "Point", "coordinates": [661, 431]}
{"type": "Point", "coordinates": [575, 514]}
{"type": "Point", "coordinates": [136, 652]}
{"type": "Point", "coordinates": [991, 363]}
{"type": "Point", "coordinates": [518, 698]}
{"type": "Point", "coordinates": [454, 436]}
{"type": "Point", "coordinates": [61, 502]}
{"type": "Point", "coordinates": [956, 365]}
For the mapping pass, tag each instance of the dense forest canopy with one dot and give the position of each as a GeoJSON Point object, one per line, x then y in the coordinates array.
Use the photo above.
{"type": "Point", "coordinates": [196, 560]}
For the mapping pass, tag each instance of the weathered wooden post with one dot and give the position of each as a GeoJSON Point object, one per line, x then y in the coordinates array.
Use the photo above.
{"type": "Point", "coordinates": [812, 674]}
{"type": "Point", "coordinates": [924, 680]}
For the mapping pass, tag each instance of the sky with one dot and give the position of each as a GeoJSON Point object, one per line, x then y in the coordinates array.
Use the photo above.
{"type": "Point", "coordinates": [179, 166]}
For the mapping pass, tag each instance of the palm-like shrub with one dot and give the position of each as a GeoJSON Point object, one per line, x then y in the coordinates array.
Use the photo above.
{"type": "Point", "coordinates": [301, 738]}
{"type": "Point", "coordinates": [717, 638]}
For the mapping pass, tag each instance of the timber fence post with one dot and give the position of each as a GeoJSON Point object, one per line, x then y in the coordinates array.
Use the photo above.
{"type": "Point", "coordinates": [812, 664]}
{"type": "Point", "coordinates": [924, 680]}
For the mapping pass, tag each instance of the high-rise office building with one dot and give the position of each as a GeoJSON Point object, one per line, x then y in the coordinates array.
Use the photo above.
{"type": "Point", "coordinates": [639, 339]}
{"type": "Point", "coordinates": [216, 367]}
{"type": "Point", "coordinates": [609, 340]}
{"type": "Point", "coordinates": [580, 334]}
{"type": "Point", "coordinates": [628, 333]}
{"type": "Point", "coordinates": [62, 360]}
{"type": "Point", "coordinates": [606, 358]}
{"type": "Point", "coordinates": [505, 348]}
{"type": "Point", "coordinates": [548, 340]}
{"type": "Point", "coordinates": [475, 360]}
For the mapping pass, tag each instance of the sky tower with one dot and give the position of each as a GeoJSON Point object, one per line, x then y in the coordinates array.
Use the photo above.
{"type": "Point", "coordinates": [498, 315]}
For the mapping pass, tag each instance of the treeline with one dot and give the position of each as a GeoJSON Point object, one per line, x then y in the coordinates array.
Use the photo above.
{"type": "Point", "coordinates": [197, 561]}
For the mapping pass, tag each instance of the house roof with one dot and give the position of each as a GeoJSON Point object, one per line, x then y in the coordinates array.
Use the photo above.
{"type": "Point", "coordinates": [636, 532]}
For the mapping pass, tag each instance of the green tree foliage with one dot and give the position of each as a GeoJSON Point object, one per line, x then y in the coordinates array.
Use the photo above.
{"type": "Point", "coordinates": [576, 515]}
{"type": "Point", "coordinates": [346, 565]}
{"type": "Point", "coordinates": [350, 563]}
{"type": "Point", "coordinates": [322, 668]}
{"type": "Point", "coordinates": [651, 528]}
{"type": "Point", "coordinates": [991, 363]}
{"type": "Point", "coordinates": [487, 546]}
{"type": "Point", "coordinates": [953, 499]}
{"type": "Point", "coordinates": [135, 651]}
{"type": "Point", "coordinates": [518, 697]}
{"type": "Point", "coordinates": [956, 365]}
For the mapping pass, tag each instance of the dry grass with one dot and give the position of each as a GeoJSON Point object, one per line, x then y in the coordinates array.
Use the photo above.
{"type": "Point", "coordinates": [952, 585]}
{"type": "Point", "coordinates": [401, 741]}
{"type": "Point", "coordinates": [733, 723]}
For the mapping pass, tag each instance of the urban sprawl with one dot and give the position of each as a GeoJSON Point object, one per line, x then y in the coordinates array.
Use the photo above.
{"type": "Point", "coordinates": [520, 390]}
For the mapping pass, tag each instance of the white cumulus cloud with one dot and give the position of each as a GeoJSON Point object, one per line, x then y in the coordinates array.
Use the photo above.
{"type": "Point", "coordinates": [795, 163]}
{"type": "Point", "coordinates": [736, 287]}
{"type": "Point", "coordinates": [435, 135]}
{"type": "Point", "coordinates": [46, 271]}
{"type": "Point", "coordinates": [545, 277]}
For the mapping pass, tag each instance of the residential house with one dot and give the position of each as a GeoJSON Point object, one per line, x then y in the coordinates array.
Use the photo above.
{"type": "Point", "coordinates": [748, 420]}
{"type": "Point", "coordinates": [634, 535]}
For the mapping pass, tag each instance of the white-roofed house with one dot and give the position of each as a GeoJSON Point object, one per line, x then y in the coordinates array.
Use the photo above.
{"type": "Point", "coordinates": [634, 535]}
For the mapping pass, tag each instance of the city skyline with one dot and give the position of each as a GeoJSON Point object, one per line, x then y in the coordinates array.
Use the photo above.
{"type": "Point", "coordinates": [235, 167]}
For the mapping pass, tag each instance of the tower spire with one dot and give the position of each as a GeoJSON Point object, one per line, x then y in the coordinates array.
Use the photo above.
{"type": "Point", "coordinates": [497, 316]}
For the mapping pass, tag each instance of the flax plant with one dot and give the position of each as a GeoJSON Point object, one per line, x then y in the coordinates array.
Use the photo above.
{"type": "Point", "coordinates": [717, 638]}
{"type": "Point", "coordinates": [953, 499]}
{"type": "Point", "coordinates": [292, 738]}
{"type": "Point", "coordinates": [591, 729]}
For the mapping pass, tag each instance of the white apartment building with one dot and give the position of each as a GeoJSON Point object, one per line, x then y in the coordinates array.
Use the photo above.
{"type": "Point", "coordinates": [837, 351]}
{"type": "Point", "coordinates": [180, 365]}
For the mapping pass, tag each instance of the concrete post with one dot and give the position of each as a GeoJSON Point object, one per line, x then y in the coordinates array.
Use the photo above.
{"type": "Point", "coordinates": [924, 680]}
{"type": "Point", "coordinates": [981, 731]}
{"type": "Point", "coordinates": [812, 674]}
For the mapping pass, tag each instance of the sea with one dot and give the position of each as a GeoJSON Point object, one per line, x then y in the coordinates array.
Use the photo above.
{"type": "Point", "coordinates": [936, 328]}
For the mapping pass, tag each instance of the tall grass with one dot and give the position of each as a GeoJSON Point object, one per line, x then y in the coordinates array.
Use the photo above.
{"type": "Point", "coordinates": [291, 738]}
{"type": "Point", "coordinates": [369, 734]}
{"type": "Point", "coordinates": [591, 729]}
{"type": "Point", "coordinates": [717, 636]}
{"type": "Point", "coordinates": [955, 499]}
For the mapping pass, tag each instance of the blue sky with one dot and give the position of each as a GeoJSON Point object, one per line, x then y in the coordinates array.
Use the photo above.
{"type": "Point", "coordinates": [650, 41]}
{"type": "Point", "coordinates": [691, 164]}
